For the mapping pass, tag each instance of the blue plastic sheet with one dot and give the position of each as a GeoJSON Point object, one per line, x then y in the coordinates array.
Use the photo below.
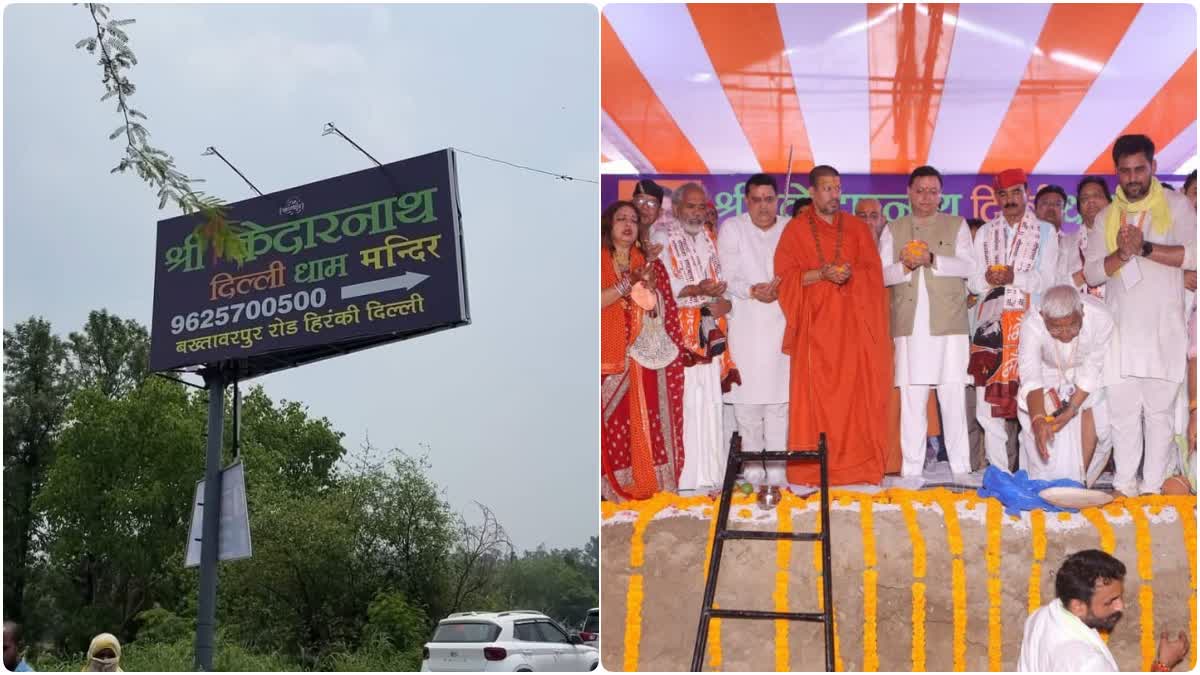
{"type": "Point", "coordinates": [1017, 492]}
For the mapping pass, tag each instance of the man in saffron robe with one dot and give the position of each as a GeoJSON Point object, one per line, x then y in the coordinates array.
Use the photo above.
{"type": "Point", "coordinates": [837, 336]}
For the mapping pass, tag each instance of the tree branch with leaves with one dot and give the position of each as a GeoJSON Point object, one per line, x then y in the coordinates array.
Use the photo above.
{"type": "Point", "coordinates": [153, 165]}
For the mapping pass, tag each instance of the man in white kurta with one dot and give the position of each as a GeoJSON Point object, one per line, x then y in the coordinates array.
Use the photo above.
{"type": "Point", "coordinates": [1016, 260]}
{"type": "Point", "coordinates": [1142, 243]}
{"type": "Point", "coordinates": [929, 320]}
{"type": "Point", "coordinates": [760, 404]}
{"type": "Point", "coordinates": [1061, 357]}
{"type": "Point", "coordinates": [1064, 634]}
{"type": "Point", "coordinates": [689, 252]}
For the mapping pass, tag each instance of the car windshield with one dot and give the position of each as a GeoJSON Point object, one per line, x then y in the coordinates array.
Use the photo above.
{"type": "Point", "coordinates": [466, 632]}
{"type": "Point", "coordinates": [592, 623]}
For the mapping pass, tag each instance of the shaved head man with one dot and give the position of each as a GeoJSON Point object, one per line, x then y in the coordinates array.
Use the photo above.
{"type": "Point", "coordinates": [871, 212]}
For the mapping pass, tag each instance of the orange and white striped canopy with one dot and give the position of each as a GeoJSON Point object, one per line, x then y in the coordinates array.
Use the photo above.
{"type": "Point", "coordinates": [883, 88]}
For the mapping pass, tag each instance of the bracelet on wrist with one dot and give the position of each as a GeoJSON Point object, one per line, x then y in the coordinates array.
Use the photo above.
{"type": "Point", "coordinates": [1159, 667]}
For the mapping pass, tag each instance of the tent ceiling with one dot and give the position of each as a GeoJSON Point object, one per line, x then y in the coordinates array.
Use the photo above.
{"type": "Point", "coordinates": [882, 88]}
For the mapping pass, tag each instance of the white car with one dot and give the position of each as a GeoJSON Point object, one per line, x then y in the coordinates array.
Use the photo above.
{"type": "Point", "coordinates": [590, 632]}
{"type": "Point", "coordinates": [516, 641]}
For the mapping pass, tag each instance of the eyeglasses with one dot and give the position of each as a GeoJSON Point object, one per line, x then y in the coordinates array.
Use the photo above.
{"type": "Point", "coordinates": [645, 201]}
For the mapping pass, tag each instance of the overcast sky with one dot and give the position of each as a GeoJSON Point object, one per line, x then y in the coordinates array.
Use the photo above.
{"type": "Point", "coordinates": [507, 405]}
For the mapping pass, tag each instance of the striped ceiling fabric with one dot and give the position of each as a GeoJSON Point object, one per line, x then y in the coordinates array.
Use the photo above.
{"type": "Point", "coordinates": [882, 88]}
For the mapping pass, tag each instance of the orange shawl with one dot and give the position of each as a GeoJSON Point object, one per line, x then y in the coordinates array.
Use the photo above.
{"type": "Point", "coordinates": [615, 334]}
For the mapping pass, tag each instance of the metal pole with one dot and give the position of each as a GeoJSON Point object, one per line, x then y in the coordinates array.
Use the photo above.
{"type": "Point", "coordinates": [206, 621]}
{"type": "Point", "coordinates": [210, 150]}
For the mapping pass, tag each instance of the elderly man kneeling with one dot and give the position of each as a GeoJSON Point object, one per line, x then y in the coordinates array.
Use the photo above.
{"type": "Point", "coordinates": [1061, 403]}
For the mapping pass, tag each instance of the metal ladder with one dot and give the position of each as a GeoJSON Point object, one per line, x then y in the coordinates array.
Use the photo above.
{"type": "Point", "coordinates": [737, 458]}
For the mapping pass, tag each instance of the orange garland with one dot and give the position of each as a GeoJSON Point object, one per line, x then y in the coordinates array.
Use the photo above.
{"type": "Point", "coordinates": [958, 578]}
{"type": "Point", "coordinates": [714, 624]}
{"type": "Point", "coordinates": [783, 562]}
{"type": "Point", "coordinates": [1037, 520]}
{"type": "Point", "coordinates": [1107, 541]}
{"type": "Point", "coordinates": [870, 586]}
{"type": "Point", "coordinates": [995, 639]}
{"type": "Point", "coordinates": [1145, 565]}
{"type": "Point", "coordinates": [647, 509]}
{"type": "Point", "coordinates": [918, 587]}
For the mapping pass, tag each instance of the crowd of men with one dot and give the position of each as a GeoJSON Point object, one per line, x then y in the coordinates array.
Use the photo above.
{"type": "Point", "coordinates": [1054, 348]}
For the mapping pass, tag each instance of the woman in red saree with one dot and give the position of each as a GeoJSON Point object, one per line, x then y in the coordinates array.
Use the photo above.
{"type": "Point", "coordinates": [641, 406]}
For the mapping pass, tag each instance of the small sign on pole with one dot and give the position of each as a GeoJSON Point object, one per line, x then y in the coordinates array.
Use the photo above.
{"type": "Point", "coordinates": [234, 534]}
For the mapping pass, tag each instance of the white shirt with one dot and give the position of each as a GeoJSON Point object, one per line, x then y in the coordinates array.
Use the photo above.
{"type": "Point", "coordinates": [756, 328]}
{"type": "Point", "coordinates": [1034, 282]}
{"type": "Point", "coordinates": [1070, 258]}
{"type": "Point", "coordinates": [1151, 330]}
{"type": "Point", "coordinates": [923, 358]}
{"type": "Point", "coordinates": [1057, 641]}
{"type": "Point", "coordinates": [1045, 362]}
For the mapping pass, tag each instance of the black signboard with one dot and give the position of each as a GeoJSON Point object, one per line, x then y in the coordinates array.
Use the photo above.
{"type": "Point", "coordinates": [326, 269]}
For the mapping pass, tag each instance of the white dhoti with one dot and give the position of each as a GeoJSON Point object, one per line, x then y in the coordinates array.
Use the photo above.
{"type": "Point", "coordinates": [763, 427]}
{"type": "Point", "coordinates": [1066, 448]}
{"type": "Point", "coordinates": [703, 456]}
{"type": "Point", "coordinates": [995, 432]}
{"type": "Point", "coordinates": [1141, 410]}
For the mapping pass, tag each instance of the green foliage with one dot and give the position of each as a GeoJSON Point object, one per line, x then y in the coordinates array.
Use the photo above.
{"type": "Point", "coordinates": [162, 626]}
{"type": "Point", "coordinates": [390, 616]}
{"type": "Point", "coordinates": [110, 354]}
{"type": "Point", "coordinates": [36, 388]}
{"type": "Point", "coordinates": [353, 562]}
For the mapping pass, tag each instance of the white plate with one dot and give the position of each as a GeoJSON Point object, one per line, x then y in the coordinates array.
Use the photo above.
{"type": "Point", "coordinates": [1075, 498]}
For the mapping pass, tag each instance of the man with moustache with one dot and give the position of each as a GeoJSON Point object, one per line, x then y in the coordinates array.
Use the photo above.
{"type": "Point", "coordinates": [1143, 243]}
{"type": "Point", "coordinates": [926, 259]}
{"type": "Point", "coordinates": [1016, 257]}
{"type": "Point", "coordinates": [1064, 635]}
{"type": "Point", "coordinates": [837, 337]}
{"type": "Point", "coordinates": [746, 245]}
{"type": "Point", "coordinates": [1091, 196]}
{"type": "Point", "coordinates": [648, 199]}
{"type": "Point", "coordinates": [689, 253]}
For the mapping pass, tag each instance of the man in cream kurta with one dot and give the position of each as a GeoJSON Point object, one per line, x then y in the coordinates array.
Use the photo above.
{"type": "Point", "coordinates": [760, 404]}
{"type": "Point", "coordinates": [1070, 362]}
{"type": "Point", "coordinates": [929, 319]}
{"type": "Point", "coordinates": [1142, 243]}
{"type": "Point", "coordinates": [1024, 250]}
{"type": "Point", "coordinates": [689, 253]}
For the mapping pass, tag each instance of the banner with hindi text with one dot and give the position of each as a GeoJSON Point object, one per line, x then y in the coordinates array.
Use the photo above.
{"type": "Point", "coordinates": [326, 268]}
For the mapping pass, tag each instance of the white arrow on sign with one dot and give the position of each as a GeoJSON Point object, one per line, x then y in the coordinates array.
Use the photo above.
{"type": "Point", "coordinates": [404, 281]}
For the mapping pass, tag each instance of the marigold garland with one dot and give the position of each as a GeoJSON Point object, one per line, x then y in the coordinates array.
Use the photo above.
{"type": "Point", "coordinates": [918, 587]}
{"type": "Point", "coordinates": [870, 586]}
{"type": "Point", "coordinates": [633, 622]}
{"type": "Point", "coordinates": [995, 639]}
{"type": "Point", "coordinates": [958, 578]}
{"type": "Point", "coordinates": [1037, 520]}
{"type": "Point", "coordinates": [1107, 540]}
{"type": "Point", "coordinates": [819, 566]}
{"type": "Point", "coordinates": [783, 561]}
{"type": "Point", "coordinates": [647, 509]}
{"type": "Point", "coordinates": [1185, 506]}
{"type": "Point", "coordinates": [714, 624]}
{"type": "Point", "coordinates": [1145, 565]}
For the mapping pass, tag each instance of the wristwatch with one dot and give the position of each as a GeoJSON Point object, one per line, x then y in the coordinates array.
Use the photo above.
{"type": "Point", "coordinates": [1147, 248]}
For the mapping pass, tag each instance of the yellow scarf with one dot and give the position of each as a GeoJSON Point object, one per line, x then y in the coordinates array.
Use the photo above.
{"type": "Point", "coordinates": [1155, 203]}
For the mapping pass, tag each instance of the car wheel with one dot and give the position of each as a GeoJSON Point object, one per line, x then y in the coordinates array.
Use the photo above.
{"type": "Point", "coordinates": [594, 666]}
{"type": "Point", "coordinates": [524, 670]}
